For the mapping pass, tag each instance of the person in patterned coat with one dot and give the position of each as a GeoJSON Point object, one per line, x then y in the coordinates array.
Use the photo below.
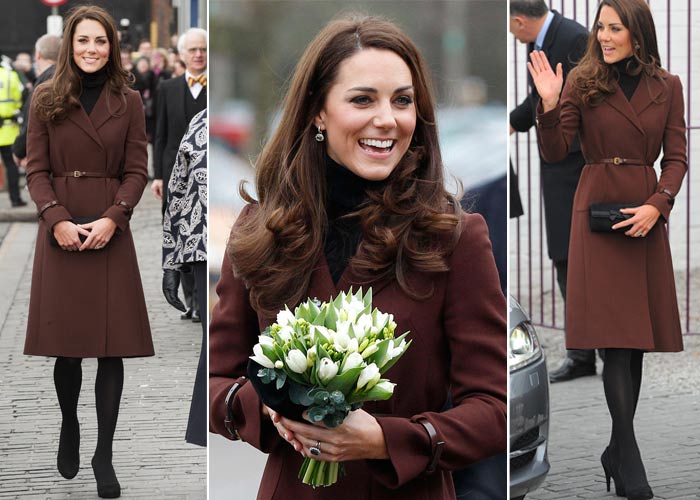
{"type": "Point", "coordinates": [185, 245]}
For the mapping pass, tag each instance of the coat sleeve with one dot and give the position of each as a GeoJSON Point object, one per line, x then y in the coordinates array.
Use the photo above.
{"type": "Point", "coordinates": [135, 171]}
{"type": "Point", "coordinates": [474, 323]}
{"type": "Point", "coordinates": [557, 128]}
{"type": "Point", "coordinates": [521, 118]}
{"type": "Point", "coordinates": [232, 334]}
{"type": "Point", "coordinates": [39, 171]}
{"type": "Point", "coordinates": [674, 163]}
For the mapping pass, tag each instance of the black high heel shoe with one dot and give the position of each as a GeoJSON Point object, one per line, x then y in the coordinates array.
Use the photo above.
{"type": "Point", "coordinates": [107, 484]}
{"type": "Point", "coordinates": [68, 458]}
{"type": "Point", "coordinates": [610, 472]}
{"type": "Point", "coordinates": [640, 491]}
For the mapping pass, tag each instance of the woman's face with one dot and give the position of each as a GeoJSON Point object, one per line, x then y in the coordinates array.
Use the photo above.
{"type": "Point", "coordinates": [90, 46]}
{"type": "Point", "coordinates": [369, 114]}
{"type": "Point", "coordinates": [614, 39]}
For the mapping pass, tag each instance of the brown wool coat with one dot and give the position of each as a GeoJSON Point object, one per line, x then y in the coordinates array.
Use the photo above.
{"type": "Point", "coordinates": [90, 303]}
{"type": "Point", "coordinates": [464, 320]}
{"type": "Point", "coordinates": [621, 290]}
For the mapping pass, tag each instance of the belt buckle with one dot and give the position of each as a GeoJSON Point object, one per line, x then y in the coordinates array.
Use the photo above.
{"type": "Point", "coordinates": [77, 173]}
{"type": "Point", "coordinates": [617, 160]}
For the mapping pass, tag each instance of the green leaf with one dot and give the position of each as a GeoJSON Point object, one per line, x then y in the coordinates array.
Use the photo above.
{"type": "Point", "coordinates": [391, 363]}
{"type": "Point", "coordinates": [346, 381]}
{"type": "Point", "coordinates": [281, 379]}
{"type": "Point", "coordinates": [331, 317]}
{"type": "Point", "coordinates": [367, 300]}
{"type": "Point", "coordinates": [299, 394]}
{"type": "Point", "coordinates": [321, 316]}
{"type": "Point", "coordinates": [316, 413]}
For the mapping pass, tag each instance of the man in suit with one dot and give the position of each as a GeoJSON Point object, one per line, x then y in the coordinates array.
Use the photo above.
{"type": "Point", "coordinates": [45, 55]}
{"type": "Point", "coordinates": [178, 101]}
{"type": "Point", "coordinates": [563, 41]}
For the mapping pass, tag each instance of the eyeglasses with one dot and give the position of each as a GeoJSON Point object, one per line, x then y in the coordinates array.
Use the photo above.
{"type": "Point", "coordinates": [194, 50]}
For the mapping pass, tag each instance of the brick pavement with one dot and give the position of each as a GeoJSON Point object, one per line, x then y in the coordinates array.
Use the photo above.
{"type": "Point", "coordinates": [666, 426]}
{"type": "Point", "coordinates": [151, 457]}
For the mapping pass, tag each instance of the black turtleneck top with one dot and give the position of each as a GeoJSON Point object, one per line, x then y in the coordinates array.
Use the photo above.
{"type": "Point", "coordinates": [628, 83]}
{"type": "Point", "coordinates": [345, 193]}
{"type": "Point", "coordinates": [92, 87]}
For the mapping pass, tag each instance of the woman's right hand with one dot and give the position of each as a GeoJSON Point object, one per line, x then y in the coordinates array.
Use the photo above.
{"type": "Point", "coordinates": [548, 83]}
{"type": "Point", "coordinates": [67, 235]}
{"type": "Point", "coordinates": [285, 433]}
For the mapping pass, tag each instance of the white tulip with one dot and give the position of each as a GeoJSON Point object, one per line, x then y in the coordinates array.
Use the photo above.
{"type": "Point", "coordinates": [353, 360]}
{"type": "Point", "coordinates": [260, 358]}
{"type": "Point", "coordinates": [353, 345]}
{"type": "Point", "coordinates": [285, 318]}
{"type": "Point", "coordinates": [296, 360]}
{"type": "Point", "coordinates": [369, 350]}
{"type": "Point", "coordinates": [353, 309]}
{"type": "Point", "coordinates": [327, 370]}
{"type": "Point", "coordinates": [341, 341]}
{"type": "Point", "coordinates": [265, 340]}
{"type": "Point", "coordinates": [386, 386]}
{"type": "Point", "coordinates": [368, 376]}
{"type": "Point", "coordinates": [382, 319]}
{"type": "Point", "coordinates": [363, 326]}
{"type": "Point", "coordinates": [286, 333]}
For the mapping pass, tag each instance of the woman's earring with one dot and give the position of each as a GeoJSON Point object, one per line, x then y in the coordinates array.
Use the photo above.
{"type": "Point", "coordinates": [319, 136]}
{"type": "Point", "coordinates": [637, 46]}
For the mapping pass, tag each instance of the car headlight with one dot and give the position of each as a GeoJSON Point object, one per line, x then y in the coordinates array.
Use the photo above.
{"type": "Point", "coordinates": [523, 346]}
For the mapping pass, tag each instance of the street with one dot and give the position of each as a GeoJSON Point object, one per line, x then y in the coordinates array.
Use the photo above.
{"type": "Point", "coordinates": [151, 458]}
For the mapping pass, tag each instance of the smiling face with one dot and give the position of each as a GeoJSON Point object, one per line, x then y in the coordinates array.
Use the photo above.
{"type": "Point", "coordinates": [369, 113]}
{"type": "Point", "coordinates": [90, 45]}
{"type": "Point", "coordinates": [614, 38]}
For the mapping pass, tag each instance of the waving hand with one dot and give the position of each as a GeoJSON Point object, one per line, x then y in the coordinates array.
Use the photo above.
{"type": "Point", "coordinates": [548, 83]}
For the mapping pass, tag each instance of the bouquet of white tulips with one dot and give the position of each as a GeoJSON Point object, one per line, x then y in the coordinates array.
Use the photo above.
{"type": "Point", "coordinates": [329, 358]}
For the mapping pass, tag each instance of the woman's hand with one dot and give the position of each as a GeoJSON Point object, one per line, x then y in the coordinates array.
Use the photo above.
{"type": "Point", "coordinates": [358, 437]}
{"type": "Point", "coordinates": [286, 434]}
{"type": "Point", "coordinates": [547, 82]}
{"type": "Point", "coordinates": [100, 232]}
{"type": "Point", "coordinates": [67, 235]}
{"type": "Point", "coordinates": [641, 222]}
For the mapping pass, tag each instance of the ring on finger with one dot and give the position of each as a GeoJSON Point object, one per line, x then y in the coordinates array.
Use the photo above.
{"type": "Point", "coordinates": [316, 450]}
{"type": "Point", "coordinates": [639, 234]}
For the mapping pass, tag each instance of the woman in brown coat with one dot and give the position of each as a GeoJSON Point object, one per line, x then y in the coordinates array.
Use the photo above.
{"type": "Point", "coordinates": [622, 296]}
{"type": "Point", "coordinates": [350, 193]}
{"type": "Point", "coordinates": [86, 171]}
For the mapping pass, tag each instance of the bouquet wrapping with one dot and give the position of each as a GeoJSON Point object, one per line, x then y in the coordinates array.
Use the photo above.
{"type": "Point", "coordinates": [326, 359]}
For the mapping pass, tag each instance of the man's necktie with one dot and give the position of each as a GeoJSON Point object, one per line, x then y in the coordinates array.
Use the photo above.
{"type": "Point", "coordinates": [202, 79]}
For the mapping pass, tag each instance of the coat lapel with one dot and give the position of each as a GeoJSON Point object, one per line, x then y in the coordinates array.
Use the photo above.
{"type": "Point", "coordinates": [106, 107]}
{"type": "Point", "coordinates": [619, 102]}
{"type": "Point", "coordinates": [323, 288]}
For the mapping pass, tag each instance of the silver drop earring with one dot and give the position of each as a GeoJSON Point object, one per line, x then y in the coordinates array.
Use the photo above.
{"type": "Point", "coordinates": [319, 136]}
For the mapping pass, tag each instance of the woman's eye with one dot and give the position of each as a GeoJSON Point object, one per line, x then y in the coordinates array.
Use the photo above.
{"type": "Point", "coordinates": [404, 100]}
{"type": "Point", "coordinates": [361, 99]}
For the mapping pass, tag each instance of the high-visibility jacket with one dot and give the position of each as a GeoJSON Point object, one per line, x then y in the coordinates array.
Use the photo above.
{"type": "Point", "coordinates": [10, 104]}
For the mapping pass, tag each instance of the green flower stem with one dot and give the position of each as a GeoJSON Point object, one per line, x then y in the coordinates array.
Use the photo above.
{"type": "Point", "coordinates": [318, 473]}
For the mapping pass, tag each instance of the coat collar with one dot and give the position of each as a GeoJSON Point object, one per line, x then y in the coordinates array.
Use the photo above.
{"type": "Point", "coordinates": [647, 93]}
{"type": "Point", "coordinates": [323, 288]}
{"type": "Point", "coordinates": [108, 106]}
{"type": "Point", "coordinates": [551, 35]}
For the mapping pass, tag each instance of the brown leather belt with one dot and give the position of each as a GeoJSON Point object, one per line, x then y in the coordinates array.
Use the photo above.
{"type": "Point", "coordinates": [80, 173]}
{"type": "Point", "coordinates": [618, 161]}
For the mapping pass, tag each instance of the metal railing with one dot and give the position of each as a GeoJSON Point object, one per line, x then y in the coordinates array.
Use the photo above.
{"type": "Point", "coordinates": [532, 277]}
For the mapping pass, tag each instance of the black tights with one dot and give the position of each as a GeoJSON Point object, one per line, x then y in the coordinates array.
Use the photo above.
{"type": "Point", "coordinates": [108, 392]}
{"type": "Point", "coordinates": [622, 380]}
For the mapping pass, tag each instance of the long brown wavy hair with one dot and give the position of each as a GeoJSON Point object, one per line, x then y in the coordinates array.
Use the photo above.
{"type": "Point", "coordinates": [593, 79]}
{"type": "Point", "coordinates": [412, 223]}
{"type": "Point", "coordinates": [56, 98]}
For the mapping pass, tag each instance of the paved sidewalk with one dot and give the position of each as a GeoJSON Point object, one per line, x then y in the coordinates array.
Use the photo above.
{"type": "Point", "coordinates": [666, 425]}
{"type": "Point", "coordinates": [151, 457]}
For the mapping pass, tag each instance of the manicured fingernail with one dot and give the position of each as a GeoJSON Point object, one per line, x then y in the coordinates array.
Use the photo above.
{"type": "Point", "coordinates": [286, 436]}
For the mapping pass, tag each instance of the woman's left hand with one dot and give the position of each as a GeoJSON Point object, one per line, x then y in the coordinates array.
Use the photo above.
{"type": "Point", "coordinates": [359, 437]}
{"type": "Point", "coordinates": [101, 231]}
{"type": "Point", "coordinates": [642, 220]}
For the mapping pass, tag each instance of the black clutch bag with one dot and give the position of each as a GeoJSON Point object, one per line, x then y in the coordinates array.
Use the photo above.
{"type": "Point", "coordinates": [277, 399]}
{"type": "Point", "coordinates": [603, 216]}
{"type": "Point", "coordinates": [75, 220]}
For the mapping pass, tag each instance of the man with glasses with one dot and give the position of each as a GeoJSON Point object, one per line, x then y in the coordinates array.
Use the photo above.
{"type": "Point", "coordinates": [178, 100]}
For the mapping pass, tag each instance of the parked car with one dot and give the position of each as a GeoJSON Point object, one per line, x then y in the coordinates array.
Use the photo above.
{"type": "Point", "coordinates": [529, 404]}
